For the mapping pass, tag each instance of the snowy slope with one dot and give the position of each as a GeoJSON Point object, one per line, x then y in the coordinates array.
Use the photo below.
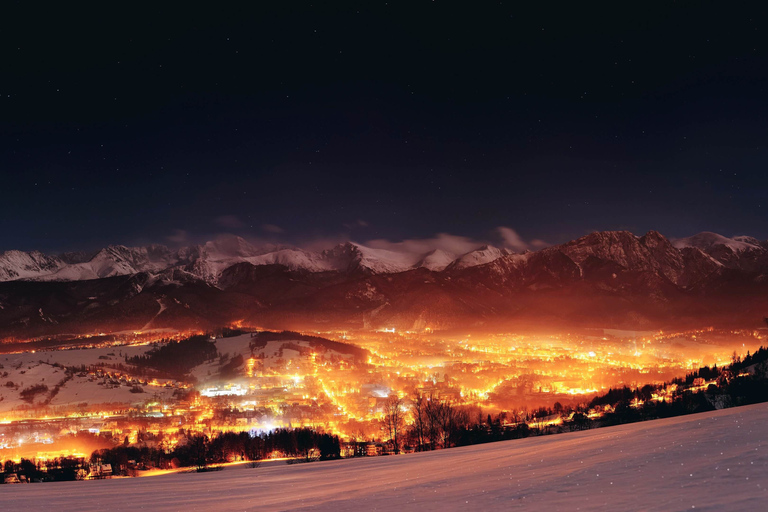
{"type": "Point", "coordinates": [436, 260]}
{"type": "Point", "coordinates": [481, 256]}
{"type": "Point", "coordinates": [26, 265]}
{"type": "Point", "coordinates": [294, 259]}
{"type": "Point", "coordinates": [711, 461]}
{"type": "Point", "coordinates": [351, 256]}
{"type": "Point", "coordinates": [115, 260]}
{"type": "Point", "coordinates": [30, 368]}
{"type": "Point", "coordinates": [707, 240]}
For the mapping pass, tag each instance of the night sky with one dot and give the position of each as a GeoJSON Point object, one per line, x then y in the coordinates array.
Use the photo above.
{"type": "Point", "coordinates": [396, 120]}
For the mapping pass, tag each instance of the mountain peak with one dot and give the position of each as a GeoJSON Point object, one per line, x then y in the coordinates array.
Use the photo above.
{"type": "Point", "coordinates": [707, 241]}
{"type": "Point", "coordinates": [480, 256]}
{"type": "Point", "coordinates": [436, 260]}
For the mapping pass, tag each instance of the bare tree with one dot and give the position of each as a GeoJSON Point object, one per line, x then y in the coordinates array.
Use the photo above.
{"type": "Point", "coordinates": [360, 438]}
{"type": "Point", "coordinates": [434, 413]}
{"type": "Point", "coordinates": [394, 420]}
{"type": "Point", "coordinates": [420, 421]}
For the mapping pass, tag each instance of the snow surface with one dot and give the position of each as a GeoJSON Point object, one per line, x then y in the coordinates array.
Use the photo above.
{"type": "Point", "coordinates": [294, 259]}
{"type": "Point", "coordinates": [436, 260]}
{"type": "Point", "coordinates": [707, 240]}
{"type": "Point", "coordinates": [24, 265]}
{"type": "Point", "coordinates": [209, 260]}
{"type": "Point", "coordinates": [710, 461]}
{"type": "Point", "coordinates": [481, 256]}
{"type": "Point", "coordinates": [27, 369]}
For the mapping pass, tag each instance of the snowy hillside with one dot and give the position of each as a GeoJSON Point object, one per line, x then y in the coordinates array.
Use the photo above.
{"type": "Point", "coordinates": [436, 260]}
{"type": "Point", "coordinates": [26, 265]}
{"type": "Point", "coordinates": [711, 461]}
{"type": "Point", "coordinates": [207, 261]}
{"type": "Point", "coordinates": [480, 256]}
{"type": "Point", "coordinates": [22, 371]}
{"type": "Point", "coordinates": [707, 241]}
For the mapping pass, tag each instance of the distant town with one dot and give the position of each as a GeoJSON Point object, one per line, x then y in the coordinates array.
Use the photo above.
{"type": "Point", "coordinates": [135, 402]}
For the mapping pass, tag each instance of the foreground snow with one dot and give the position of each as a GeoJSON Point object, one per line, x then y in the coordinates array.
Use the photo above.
{"type": "Point", "coordinates": [712, 461]}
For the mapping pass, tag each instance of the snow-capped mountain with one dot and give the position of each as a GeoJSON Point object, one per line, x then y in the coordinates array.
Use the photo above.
{"type": "Point", "coordinates": [651, 252]}
{"type": "Point", "coordinates": [479, 256]}
{"type": "Point", "coordinates": [610, 278]}
{"type": "Point", "coordinates": [352, 257]}
{"type": "Point", "coordinates": [743, 252]}
{"type": "Point", "coordinates": [27, 265]}
{"type": "Point", "coordinates": [209, 260]}
{"type": "Point", "coordinates": [707, 241]}
{"type": "Point", "coordinates": [437, 260]}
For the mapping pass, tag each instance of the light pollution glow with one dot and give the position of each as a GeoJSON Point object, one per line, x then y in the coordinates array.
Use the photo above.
{"type": "Point", "coordinates": [290, 384]}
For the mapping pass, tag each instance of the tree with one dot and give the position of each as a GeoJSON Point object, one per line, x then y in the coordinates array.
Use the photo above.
{"type": "Point", "coordinates": [199, 450]}
{"type": "Point", "coordinates": [419, 412]}
{"type": "Point", "coordinates": [394, 419]}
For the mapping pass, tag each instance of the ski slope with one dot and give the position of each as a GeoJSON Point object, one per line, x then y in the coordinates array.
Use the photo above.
{"type": "Point", "coordinates": [711, 461]}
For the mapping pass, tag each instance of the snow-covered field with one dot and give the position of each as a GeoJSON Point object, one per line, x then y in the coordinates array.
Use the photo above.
{"type": "Point", "coordinates": [23, 370]}
{"type": "Point", "coordinates": [711, 461]}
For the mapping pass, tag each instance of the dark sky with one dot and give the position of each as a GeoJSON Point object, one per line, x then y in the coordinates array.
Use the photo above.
{"type": "Point", "coordinates": [132, 125]}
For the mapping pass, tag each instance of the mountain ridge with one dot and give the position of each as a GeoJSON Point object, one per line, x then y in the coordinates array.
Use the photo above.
{"type": "Point", "coordinates": [612, 278]}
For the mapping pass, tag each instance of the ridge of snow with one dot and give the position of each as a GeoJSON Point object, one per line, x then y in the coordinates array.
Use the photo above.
{"type": "Point", "coordinates": [706, 240]}
{"type": "Point", "coordinates": [24, 265]}
{"type": "Point", "coordinates": [480, 256]}
{"type": "Point", "coordinates": [352, 256]}
{"type": "Point", "coordinates": [294, 259]}
{"type": "Point", "coordinates": [436, 260]}
{"type": "Point", "coordinates": [209, 260]}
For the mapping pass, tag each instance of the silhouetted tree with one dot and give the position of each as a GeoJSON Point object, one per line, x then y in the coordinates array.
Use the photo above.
{"type": "Point", "coordinates": [394, 419]}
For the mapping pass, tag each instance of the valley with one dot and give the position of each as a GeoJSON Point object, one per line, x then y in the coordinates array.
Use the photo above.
{"type": "Point", "coordinates": [74, 399]}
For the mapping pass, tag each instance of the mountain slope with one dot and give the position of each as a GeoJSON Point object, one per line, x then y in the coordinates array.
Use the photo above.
{"type": "Point", "coordinates": [614, 279]}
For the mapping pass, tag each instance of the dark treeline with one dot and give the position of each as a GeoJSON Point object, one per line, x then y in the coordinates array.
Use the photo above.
{"type": "Point", "coordinates": [261, 338]}
{"type": "Point", "coordinates": [199, 450]}
{"type": "Point", "coordinates": [743, 382]}
{"type": "Point", "coordinates": [440, 424]}
{"type": "Point", "coordinates": [54, 470]}
{"type": "Point", "coordinates": [177, 357]}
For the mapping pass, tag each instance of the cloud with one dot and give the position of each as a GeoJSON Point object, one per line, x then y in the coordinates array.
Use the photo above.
{"type": "Point", "coordinates": [179, 236]}
{"type": "Point", "coordinates": [322, 243]}
{"type": "Point", "coordinates": [511, 239]}
{"type": "Point", "coordinates": [452, 244]}
{"type": "Point", "coordinates": [271, 228]}
{"type": "Point", "coordinates": [359, 223]}
{"type": "Point", "coordinates": [229, 221]}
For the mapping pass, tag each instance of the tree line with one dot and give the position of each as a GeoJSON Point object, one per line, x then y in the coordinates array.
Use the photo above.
{"type": "Point", "coordinates": [200, 451]}
{"type": "Point", "coordinates": [439, 423]}
{"type": "Point", "coordinates": [177, 358]}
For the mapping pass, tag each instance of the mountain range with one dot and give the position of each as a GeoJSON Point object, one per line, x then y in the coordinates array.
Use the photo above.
{"type": "Point", "coordinates": [604, 279]}
{"type": "Point", "coordinates": [208, 261]}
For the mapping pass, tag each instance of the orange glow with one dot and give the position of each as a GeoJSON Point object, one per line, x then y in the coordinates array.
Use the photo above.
{"type": "Point", "coordinates": [296, 383]}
